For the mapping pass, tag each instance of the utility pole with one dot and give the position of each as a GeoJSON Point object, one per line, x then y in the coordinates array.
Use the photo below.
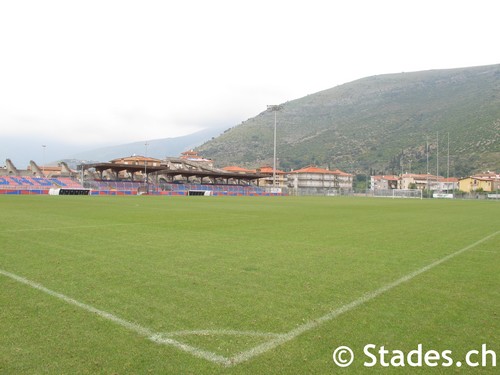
{"type": "Point", "coordinates": [274, 108]}
{"type": "Point", "coordinates": [43, 159]}
{"type": "Point", "coordinates": [146, 164]}
{"type": "Point", "coordinates": [427, 156]}
{"type": "Point", "coordinates": [448, 167]}
{"type": "Point", "coordinates": [437, 161]}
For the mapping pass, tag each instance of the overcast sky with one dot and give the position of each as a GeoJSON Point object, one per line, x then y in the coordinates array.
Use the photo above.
{"type": "Point", "coordinates": [100, 72]}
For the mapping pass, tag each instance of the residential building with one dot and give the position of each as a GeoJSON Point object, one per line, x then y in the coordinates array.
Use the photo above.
{"type": "Point", "coordinates": [488, 182]}
{"type": "Point", "coordinates": [383, 182]}
{"type": "Point", "coordinates": [192, 156]}
{"type": "Point", "coordinates": [280, 177]}
{"type": "Point", "coordinates": [420, 181]}
{"type": "Point", "coordinates": [267, 181]}
{"type": "Point", "coordinates": [236, 169]}
{"type": "Point", "coordinates": [448, 184]}
{"type": "Point", "coordinates": [312, 180]}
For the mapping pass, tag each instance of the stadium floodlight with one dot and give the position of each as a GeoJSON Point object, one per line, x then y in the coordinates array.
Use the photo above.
{"type": "Point", "coordinates": [274, 108]}
{"type": "Point", "coordinates": [146, 164]}
{"type": "Point", "coordinates": [437, 157]}
{"type": "Point", "coordinates": [448, 161]}
{"type": "Point", "coordinates": [83, 172]}
{"type": "Point", "coordinates": [43, 159]}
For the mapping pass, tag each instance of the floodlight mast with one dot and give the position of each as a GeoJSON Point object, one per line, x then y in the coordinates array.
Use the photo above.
{"type": "Point", "coordinates": [43, 159]}
{"type": "Point", "coordinates": [274, 108]}
{"type": "Point", "coordinates": [146, 164]}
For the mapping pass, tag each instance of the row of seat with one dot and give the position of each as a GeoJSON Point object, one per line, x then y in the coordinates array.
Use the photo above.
{"type": "Point", "coordinates": [28, 182]}
{"type": "Point", "coordinates": [173, 187]}
{"type": "Point", "coordinates": [238, 189]}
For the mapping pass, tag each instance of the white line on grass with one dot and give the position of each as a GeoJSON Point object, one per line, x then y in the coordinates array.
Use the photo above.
{"type": "Point", "coordinates": [260, 349]}
{"type": "Point", "coordinates": [277, 339]}
{"type": "Point", "coordinates": [62, 227]}
{"type": "Point", "coordinates": [68, 227]}
{"type": "Point", "coordinates": [221, 332]}
{"type": "Point", "coordinates": [142, 331]}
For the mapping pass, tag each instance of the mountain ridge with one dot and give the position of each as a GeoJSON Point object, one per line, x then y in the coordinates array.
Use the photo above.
{"type": "Point", "coordinates": [379, 124]}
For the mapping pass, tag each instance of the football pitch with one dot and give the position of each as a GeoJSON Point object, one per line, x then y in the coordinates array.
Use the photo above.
{"type": "Point", "coordinates": [247, 285]}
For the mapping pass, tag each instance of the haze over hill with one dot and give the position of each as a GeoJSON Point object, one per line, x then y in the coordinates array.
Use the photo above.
{"type": "Point", "coordinates": [59, 151]}
{"type": "Point", "coordinates": [379, 124]}
{"type": "Point", "coordinates": [156, 148]}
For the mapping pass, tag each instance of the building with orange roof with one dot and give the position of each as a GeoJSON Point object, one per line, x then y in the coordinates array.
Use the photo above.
{"type": "Point", "coordinates": [267, 181]}
{"type": "Point", "coordinates": [448, 184]}
{"type": "Point", "coordinates": [383, 182]}
{"type": "Point", "coordinates": [489, 182]}
{"type": "Point", "coordinates": [419, 181]}
{"type": "Point", "coordinates": [133, 160]}
{"type": "Point", "coordinates": [413, 181]}
{"type": "Point", "coordinates": [313, 180]}
{"type": "Point", "coordinates": [267, 169]}
{"type": "Point", "coordinates": [236, 169]}
{"type": "Point", "coordinates": [137, 160]}
{"type": "Point", "coordinates": [278, 175]}
{"type": "Point", "coordinates": [192, 156]}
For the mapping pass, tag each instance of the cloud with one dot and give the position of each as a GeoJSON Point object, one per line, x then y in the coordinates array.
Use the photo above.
{"type": "Point", "coordinates": [94, 71]}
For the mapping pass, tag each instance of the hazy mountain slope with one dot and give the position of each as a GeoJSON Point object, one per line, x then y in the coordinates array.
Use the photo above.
{"type": "Point", "coordinates": [157, 148]}
{"type": "Point", "coordinates": [378, 123]}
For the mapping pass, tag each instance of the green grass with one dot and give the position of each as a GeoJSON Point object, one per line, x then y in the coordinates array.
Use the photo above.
{"type": "Point", "coordinates": [262, 265]}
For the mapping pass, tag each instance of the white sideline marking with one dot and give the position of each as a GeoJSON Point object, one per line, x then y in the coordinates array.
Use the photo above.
{"type": "Point", "coordinates": [69, 227]}
{"type": "Point", "coordinates": [142, 331]}
{"type": "Point", "coordinates": [220, 332]}
{"type": "Point", "coordinates": [276, 339]}
{"type": "Point", "coordinates": [260, 349]}
{"type": "Point", "coordinates": [93, 226]}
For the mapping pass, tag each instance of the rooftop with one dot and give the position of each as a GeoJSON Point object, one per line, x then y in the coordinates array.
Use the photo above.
{"type": "Point", "coordinates": [317, 170]}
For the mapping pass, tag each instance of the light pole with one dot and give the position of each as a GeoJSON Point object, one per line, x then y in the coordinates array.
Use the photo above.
{"type": "Point", "coordinates": [146, 164]}
{"type": "Point", "coordinates": [83, 172]}
{"type": "Point", "coordinates": [43, 159]}
{"type": "Point", "coordinates": [427, 156]}
{"type": "Point", "coordinates": [274, 108]}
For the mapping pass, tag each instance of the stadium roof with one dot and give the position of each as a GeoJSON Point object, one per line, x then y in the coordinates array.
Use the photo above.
{"type": "Point", "coordinates": [166, 171]}
{"type": "Point", "coordinates": [236, 169]}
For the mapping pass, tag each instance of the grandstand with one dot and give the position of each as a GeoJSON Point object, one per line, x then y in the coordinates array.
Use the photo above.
{"type": "Point", "coordinates": [35, 185]}
{"type": "Point", "coordinates": [174, 177]}
{"type": "Point", "coordinates": [100, 187]}
{"type": "Point", "coordinates": [128, 176]}
{"type": "Point", "coordinates": [42, 185]}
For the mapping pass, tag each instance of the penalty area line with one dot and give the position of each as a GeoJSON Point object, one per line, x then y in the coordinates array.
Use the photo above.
{"type": "Point", "coordinates": [142, 331]}
{"type": "Point", "coordinates": [59, 228]}
{"type": "Point", "coordinates": [275, 339]}
{"type": "Point", "coordinates": [312, 324]}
